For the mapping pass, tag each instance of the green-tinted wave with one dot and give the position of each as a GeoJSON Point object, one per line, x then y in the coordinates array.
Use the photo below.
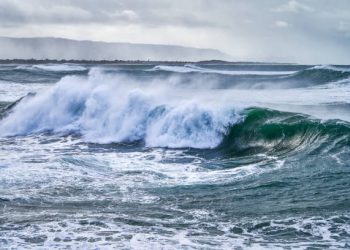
{"type": "Point", "coordinates": [278, 133]}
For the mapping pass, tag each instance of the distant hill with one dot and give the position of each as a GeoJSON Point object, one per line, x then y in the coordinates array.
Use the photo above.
{"type": "Point", "coordinates": [66, 49]}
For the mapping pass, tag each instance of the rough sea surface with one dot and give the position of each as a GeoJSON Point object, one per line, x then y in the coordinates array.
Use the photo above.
{"type": "Point", "coordinates": [194, 156]}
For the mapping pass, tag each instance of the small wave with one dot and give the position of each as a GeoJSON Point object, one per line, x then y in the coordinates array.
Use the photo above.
{"type": "Point", "coordinates": [320, 74]}
{"type": "Point", "coordinates": [53, 67]}
{"type": "Point", "coordinates": [8, 107]}
{"type": "Point", "coordinates": [189, 68]}
{"type": "Point", "coordinates": [330, 67]}
{"type": "Point", "coordinates": [11, 91]}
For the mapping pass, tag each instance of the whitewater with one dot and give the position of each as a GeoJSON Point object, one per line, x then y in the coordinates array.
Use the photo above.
{"type": "Point", "coordinates": [174, 156]}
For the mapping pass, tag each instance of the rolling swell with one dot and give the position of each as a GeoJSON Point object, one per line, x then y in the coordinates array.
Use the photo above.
{"type": "Point", "coordinates": [190, 68]}
{"type": "Point", "coordinates": [39, 73]}
{"type": "Point", "coordinates": [261, 76]}
{"type": "Point", "coordinates": [320, 75]}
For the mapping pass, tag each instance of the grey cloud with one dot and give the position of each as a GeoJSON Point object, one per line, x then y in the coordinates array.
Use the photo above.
{"type": "Point", "coordinates": [289, 30]}
{"type": "Point", "coordinates": [293, 6]}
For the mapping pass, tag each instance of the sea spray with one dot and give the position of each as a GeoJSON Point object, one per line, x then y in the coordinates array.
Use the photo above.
{"type": "Point", "coordinates": [105, 111]}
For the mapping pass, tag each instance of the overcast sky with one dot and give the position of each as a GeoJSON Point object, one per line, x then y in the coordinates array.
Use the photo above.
{"type": "Point", "coordinates": [305, 31]}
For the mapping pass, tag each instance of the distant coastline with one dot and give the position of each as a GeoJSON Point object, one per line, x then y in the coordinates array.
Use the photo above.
{"type": "Point", "coordinates": [141, 62]}
{"type": "Point", "coordinates": [53, 48]}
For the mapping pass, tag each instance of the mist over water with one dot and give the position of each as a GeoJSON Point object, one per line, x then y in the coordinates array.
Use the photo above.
{"type": "Point", "coordinates": [174, 156]}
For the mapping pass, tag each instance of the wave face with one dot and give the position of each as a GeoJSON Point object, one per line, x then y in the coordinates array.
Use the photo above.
{"type": "Point", "coordinates": [282, 133]}
{"type": "Point", "coordinates": [200, 156]}
{"type": "Point", "coordinates": [322, 74]}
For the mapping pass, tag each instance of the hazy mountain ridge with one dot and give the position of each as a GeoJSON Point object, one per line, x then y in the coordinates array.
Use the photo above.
{"type": "Point", "coordinates": [66, 49]}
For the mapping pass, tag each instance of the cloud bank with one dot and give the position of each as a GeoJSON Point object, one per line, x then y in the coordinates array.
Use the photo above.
{"type": "Point", "coordinates": [304, 31]}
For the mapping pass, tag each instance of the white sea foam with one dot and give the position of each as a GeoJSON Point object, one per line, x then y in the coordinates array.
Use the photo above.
{"type": "Point", "coordinates": [105, 111]}
{"type": "Point", "coordinates": [10, 91]}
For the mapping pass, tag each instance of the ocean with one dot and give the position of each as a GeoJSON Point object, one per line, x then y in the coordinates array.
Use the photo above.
{"type": "Point", "coordinates": [207, 155]}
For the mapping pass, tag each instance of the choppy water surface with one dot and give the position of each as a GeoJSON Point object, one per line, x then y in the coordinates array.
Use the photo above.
{"type": "Point", "coordinates": [213, 156]}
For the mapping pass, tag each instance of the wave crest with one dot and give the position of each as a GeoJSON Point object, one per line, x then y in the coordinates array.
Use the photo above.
{"type": "Point", "coordinates": [320, 74]}
{"type": "Point", "coordinates": [103, 111]}
{"type": "Point", "coordinates": [190, 68]}
{"type": "Point", "coordinates": [106, 108]}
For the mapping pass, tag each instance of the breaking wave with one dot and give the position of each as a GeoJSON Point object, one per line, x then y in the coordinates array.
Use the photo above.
{"type": "Point", "coordinates": [110, 112]}
{"type": "Point", "coordinates": [102, 110]}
